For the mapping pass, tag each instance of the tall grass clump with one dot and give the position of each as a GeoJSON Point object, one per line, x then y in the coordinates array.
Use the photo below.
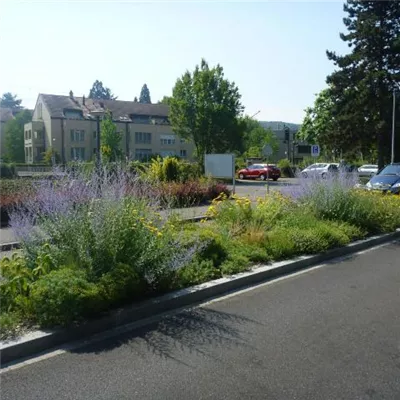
{"type": "Point", "coordinates": [336, 198]}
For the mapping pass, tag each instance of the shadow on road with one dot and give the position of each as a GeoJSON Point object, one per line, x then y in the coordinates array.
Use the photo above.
{"type": "Point", "coordinates": [196, 330]}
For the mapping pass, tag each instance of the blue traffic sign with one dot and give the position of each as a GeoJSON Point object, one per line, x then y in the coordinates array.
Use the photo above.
{"type": "Point", "coordinates": [315, 150]}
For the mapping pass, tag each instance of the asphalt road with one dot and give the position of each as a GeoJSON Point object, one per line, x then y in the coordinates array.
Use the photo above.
{"type": "Point", "coordinates": [330, 333]}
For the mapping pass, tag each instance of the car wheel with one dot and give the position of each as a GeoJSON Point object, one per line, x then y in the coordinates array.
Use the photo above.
{"type": "Point", "coordinates": [274, 179]}
{"type": "Point", "coordinates": [262, 177]}
{"type": "Point", "coordinates": [324, 176]}
{"type": "Point", "coordinates": [304, 174]}
{"type": "Point", "coordinates": [241, 176]}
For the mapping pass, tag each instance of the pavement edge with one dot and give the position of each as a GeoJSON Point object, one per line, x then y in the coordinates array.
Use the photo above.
{"type": "Point", "coordinates": [40, 341]}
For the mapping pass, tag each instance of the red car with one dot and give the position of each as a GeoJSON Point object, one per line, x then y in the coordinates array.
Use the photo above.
{"type": "Point", "coordinates": [261, 171]}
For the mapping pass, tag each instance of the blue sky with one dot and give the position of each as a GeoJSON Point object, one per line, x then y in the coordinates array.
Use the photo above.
{"type": "Point", "coordinates": [274, 51]}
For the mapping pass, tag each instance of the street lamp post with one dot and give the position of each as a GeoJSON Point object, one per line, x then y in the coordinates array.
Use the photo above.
{"type": "Point", "coordinates": [393, 123]}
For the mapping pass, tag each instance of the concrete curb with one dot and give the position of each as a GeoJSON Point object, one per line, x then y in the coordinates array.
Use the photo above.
{"type": "Point", "coordinates": [9, 246]}
{"type": "Point", "coordinates": [39, 341]}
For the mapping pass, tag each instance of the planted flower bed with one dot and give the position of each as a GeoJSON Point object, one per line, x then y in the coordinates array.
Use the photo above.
{"type": "Point", "coordinates": [112, 248]}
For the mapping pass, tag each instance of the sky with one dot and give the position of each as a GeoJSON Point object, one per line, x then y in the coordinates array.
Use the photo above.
{"type": "Point", "coordinates": [273, 51]}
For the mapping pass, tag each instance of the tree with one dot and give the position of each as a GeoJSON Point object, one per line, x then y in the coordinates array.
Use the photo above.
{"type": "Point", "coordinates": [51, 155]}
{"type": "Point", "coordinates": [135, 100]}
{"type": "Point", "coordinates": [8, 100]}
{"type": "Point", "coordinates": [165, 100]}
{"type": "Point", "coordinates": [365, 78]}
{"type": "Point", "coordinates": [256, 137]}
{"type": "Point", "coordinates": [110, 139]}
{"type": "Point", "coordinates": [14, 136]}
{"type": "Point", "coordinates": [98, 91]}
{"type": "Point", "coordinates": [145, 95]}
{"type": "Point", "coordinates": [205, 108]}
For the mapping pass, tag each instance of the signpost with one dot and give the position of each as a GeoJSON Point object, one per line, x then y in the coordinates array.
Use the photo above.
{"type": "Point", "coordinates": [267, 152]}
{"type": "Point", "coordinates": [315, 150]}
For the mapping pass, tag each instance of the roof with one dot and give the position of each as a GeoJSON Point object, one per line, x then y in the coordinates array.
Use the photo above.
{"type": "Point", "coordinates": [6, 114]}
{"type": "Point", "coordinates": [121, 110]}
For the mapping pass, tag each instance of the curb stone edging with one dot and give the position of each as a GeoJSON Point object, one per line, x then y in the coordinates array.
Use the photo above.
{"type": "Point", "coordinates": [40, 341]}
{"type": "Point", "coordinates": [9, 246]}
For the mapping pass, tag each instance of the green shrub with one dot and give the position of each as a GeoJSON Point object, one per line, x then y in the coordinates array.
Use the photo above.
{"type": "Point", "coordinates": [198, 271]}
{"type": "Point", "coordinates": [7, 171]}
{"type": "Point", "coordinates": [170, 168]}
{"type": "Point", "coordinates": [120, 284]}
{"type": "Point", "coordinates": [10, 324]}
{"type": "Point", "coordinates": [64, 296]}
{"type": "Point", "coordinates": [286, 168]}
{"type": "Point", "coordinates": [236, 264]}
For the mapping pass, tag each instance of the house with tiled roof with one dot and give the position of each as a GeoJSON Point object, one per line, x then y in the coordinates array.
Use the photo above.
{"type": "Point", "coordinates": [68, 125]}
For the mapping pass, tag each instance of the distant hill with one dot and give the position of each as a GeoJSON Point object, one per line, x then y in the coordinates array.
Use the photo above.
{"type": "Point", "coordinates": [278, 125]}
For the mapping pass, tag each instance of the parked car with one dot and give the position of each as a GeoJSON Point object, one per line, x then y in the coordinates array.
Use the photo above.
{"type": "Point", "coordinates": [321, 170]}
{"type": "Point", "coordinates": [387, 180]}
{"type": "Point", "coordinates": [260, 171]}
{"type": "Point", "coordinates": [368, 170]}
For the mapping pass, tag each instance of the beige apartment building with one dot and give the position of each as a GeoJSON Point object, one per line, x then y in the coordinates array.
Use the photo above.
{"type": "Point", "coordinates": [68, 125]}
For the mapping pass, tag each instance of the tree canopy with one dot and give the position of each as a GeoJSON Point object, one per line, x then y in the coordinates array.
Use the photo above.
{"type": "Point", "coordinates": [205, 107]}
{"type": "Point", "coordinates": [165, 100]}
{"type": "Point", "coordinates": [14, 136]}
{"type": "Point", "coordinates": [145, 95]}
{"type": "Point", "coordinates": [9, 100]}
{"type": "Point", "coordinates": [110, 139]}
{"type": "Point", "coordinates": [255, 137]}
{"type": "Point", "coordinates": [361, 86]}
{"type": "Point", "coordinates": [99, 91]}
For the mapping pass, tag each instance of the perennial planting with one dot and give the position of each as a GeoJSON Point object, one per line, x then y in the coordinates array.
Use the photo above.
{"type": "Point", "coordinates": [91, 243]}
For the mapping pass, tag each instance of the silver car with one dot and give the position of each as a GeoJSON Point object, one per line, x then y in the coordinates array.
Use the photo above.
{"type": "Point", "coordinates": [368, 170]}
{"type": "Point", "coordinates": [321, 170]}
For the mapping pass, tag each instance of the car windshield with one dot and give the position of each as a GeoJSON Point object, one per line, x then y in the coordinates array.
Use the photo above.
{"type": "Point", "coordinates": [391, 170]}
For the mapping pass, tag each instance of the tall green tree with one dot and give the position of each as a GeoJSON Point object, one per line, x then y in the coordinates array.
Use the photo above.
{"type": "Point", "coordinates": [165, 100]}
{"type": "Point", "coordinates": [135, 100]}
{"type": "Point", "coordinates": [110, 139]}
{"type": "Point", "coordinates": [364, 79]}
{"type": "Point", "coordinates": [100, 92]}
{"type": "Point", "coordinates": [205, 107]}
{"type": "Point", "coordinates": [145, 95]}
{"type": "Point", "coordinates": [9, 100]}
{"type": "Point", "coordinates": [255, 137]}
{"type": "Point", "coordinates": [14, 136]}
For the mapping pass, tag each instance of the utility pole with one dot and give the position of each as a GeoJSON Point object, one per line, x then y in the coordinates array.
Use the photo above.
{"type": "Point", "coordinates": [287, 139]}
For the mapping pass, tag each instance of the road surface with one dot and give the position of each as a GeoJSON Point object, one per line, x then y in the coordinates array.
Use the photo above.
{"type": "Point", "coordinates": [329, 333]}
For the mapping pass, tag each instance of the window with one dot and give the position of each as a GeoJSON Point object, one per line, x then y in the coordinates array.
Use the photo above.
{"type": "Point", "coordinates": [94, 134]}
{"type": "Point", "coordinates": [71, 114]}
{"type": "Point", "coordinates": [141, 120]}
{"type": "Point", "coordinates": [39, 111]}
{"type": "Point", "coordinates": [77, 135]}
{"type": "Point", "coordinates": [143, 137]}
{"type": "Point", "coordinates": [26, 135]}
{"type": "Point", "coordinates": [38, 135]}
{"type": "Point", "coordinates": [167, 140]}
{"type": "Point", "coordinates": [30, 134]}
{"type": "Point", "coordinates": [77, 153]}
{"type": "Point", "coordinates": [304, 149]}
{"type": "Point", "coordinates": [183, 153]}
{"type": "Point", "coordinates": [143, 154]}
{"type": "Point", "coordinates": [167, 153]}
{"type": "Point", "coordinates": [39, 152]}
{"type": "Point", "coordinates": [183, 140]}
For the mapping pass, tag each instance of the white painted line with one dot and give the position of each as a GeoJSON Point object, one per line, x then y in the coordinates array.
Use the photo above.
{"type": "Point", "coordinates": [147, 321]}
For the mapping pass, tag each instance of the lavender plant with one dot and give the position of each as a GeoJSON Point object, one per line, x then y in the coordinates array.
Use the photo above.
{"type": "Point", "coordinates": [95, 222]}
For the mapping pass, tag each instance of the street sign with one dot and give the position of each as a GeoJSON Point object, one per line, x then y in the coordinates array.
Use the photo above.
{"type": "Point", "coordinates": [267, 150]}
{"type": "Point", "coordinates": [315, 150]}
